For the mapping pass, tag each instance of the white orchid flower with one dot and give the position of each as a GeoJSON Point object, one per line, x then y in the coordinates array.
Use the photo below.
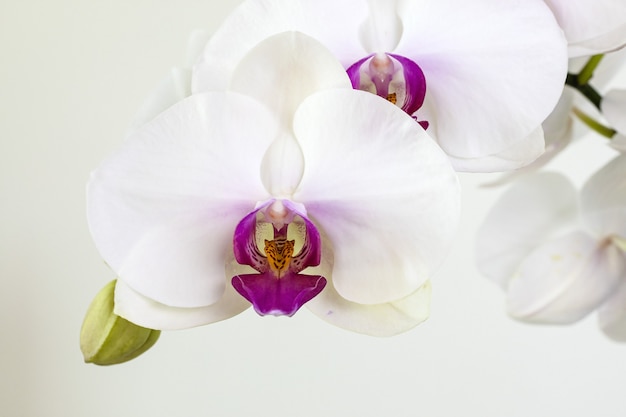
{"type": "Point", "coordinates": [482, 75]}
{"type": "Point", "coordinates": [564, 126]}
{"type": "Point", "coordinates": [560, 256]}
{"type": "Point", "coordinates": [591, 26]}
{"type": "Point", "coordinates": [300, 190]}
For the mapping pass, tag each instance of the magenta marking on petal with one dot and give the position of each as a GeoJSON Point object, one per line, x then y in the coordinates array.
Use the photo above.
{"type": "Point", "coordinates": [244, 243]}
{"type": "Point", "coordinates": [278, 296]}
{"type": "Point", "coordinates": [311, 252]}
{"type": "Point", "coordinates": [354, 72]}
{"type": "Point", "coordinates": [415, 84]}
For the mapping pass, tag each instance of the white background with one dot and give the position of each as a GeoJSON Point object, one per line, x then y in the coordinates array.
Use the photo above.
{"type": "Point", "coordinates": [72, 75]}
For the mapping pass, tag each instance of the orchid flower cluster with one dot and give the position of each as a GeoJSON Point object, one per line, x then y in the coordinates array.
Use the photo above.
{"type": "Point", "coordinates": [308, 156]}
{"type": "Point", "coordinates": [559, 253]}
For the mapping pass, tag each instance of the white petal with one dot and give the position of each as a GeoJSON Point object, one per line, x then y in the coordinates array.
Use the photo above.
{"type": "Point", "coordinates": [591, 26]}
{"type": "Point", "coordinates": [386, 319]}
{"type": "Point", "coordinates": [494, 69]}
{"type": "Point", "coordinates": [162, 210]}
{"type": "Point", "coordinates": [557, 127]}
{"type": "Point", "coordinates": [558, 131]}
{"type": "Point", "coordinates": [557, 144]}
{"type": "Point", "coordinates": [380, 188]}
{"type": "Point", "coordinates": [532, 210]}
{"type": "Point", "coordinates": [614, 109]}
{"type": "Point", "coordinates": [334, 23]}
{"type": "Point", "coordinates": [612, 64]}
{"type": "Point", "coordinates": [382, 29]}
{"type": "Point", "coordinates": [282, 166]}
{"type": "Point", "coordinates": [519, 155]}
{"type": "Point", "coordinates": [284, 69]}
{"type": "Point", "coordinates": [612, 314]}
{"type": "Point", "coordinates": [565, 279]}
{"type": "Point", "coordinates": [603, 199]}
{"type": "Point", "coordinates": [148, 313]}
{"type": "Point", "coordinates": [281, 72]}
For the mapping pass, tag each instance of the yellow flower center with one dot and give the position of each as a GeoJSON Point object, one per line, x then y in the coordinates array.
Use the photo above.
{"type": "Point", "coordinates": [279, 253]}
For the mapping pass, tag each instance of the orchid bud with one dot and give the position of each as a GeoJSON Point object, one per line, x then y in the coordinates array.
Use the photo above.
{"type": "Point", "coordinates": [108, 339]}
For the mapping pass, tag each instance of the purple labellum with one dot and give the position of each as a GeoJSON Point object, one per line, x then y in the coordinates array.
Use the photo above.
{"type": "Point", "coordinates": [278, 297]}
{"type": "Point", "coordinates": [393, 77]}
{"type": "Point", "coordinates": [279, 288]}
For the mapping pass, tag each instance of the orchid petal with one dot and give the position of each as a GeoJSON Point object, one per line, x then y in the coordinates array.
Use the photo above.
{"type": "Point", "coordinates": [382, 29]}
{"type": "Point", "coordinates": [278, 296]}
{"type": "Point", "coordinates": [385, 319]}
{"type": "Point", "coordinates": [283, 70]}
{"type": "Point", "coordinates": [245, 246]}
{"type": "Point", "coordinates": [282, 165]}
{"type": "Point", "coordinates": [531, 211]}
{"type": "Point", "coordinates": [603, 199]}
{"type": "Point", "coordinates": [162, 210]}
{"type": "Point", "coordinates": [557, 127]}
{"type": "Point", "coordinates": [612, 65]}
{"type": "Point", "coordinates": [558, 130]}
{"type": "Point", "coordinates": [557, 144]}
{"type": "Point", "coordinates": [565, 279]}
{"type": "Point", "coordinates": [517, 156]}
{"type": "Point", "coordinates": [381, 189]}
{"type": "Point", "coordinates": [494, 69]}
{"type": "Point", "coordinates": [591, 26]}
{"type": "Point", "coordinates": [614, 109]}
{"type": "Point", "coordinates": [612, 314]}
{"type": "Point", "coordinates": [324, 20]}
{"type": "Point", "coordinates": [145, 312]}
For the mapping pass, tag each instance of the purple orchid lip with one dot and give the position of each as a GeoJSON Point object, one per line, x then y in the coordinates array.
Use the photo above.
{"type": "Point", "coordinates": [392, 77]}
{"type": "Point", "coordinates": [279, 288]}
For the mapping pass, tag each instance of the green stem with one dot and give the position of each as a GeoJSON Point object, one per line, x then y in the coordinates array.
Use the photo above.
{"type": "Point", "coordinates": [594, 124]}
{"type": "Point", "coordinates": [585, 89]}
{"type": "Point", "coordinates": [587, 72]}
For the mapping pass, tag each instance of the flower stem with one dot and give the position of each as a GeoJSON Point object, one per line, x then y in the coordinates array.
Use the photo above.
{"type": "Point", "coordinates": [581, 80]}
{"type": "Point", "coordinates": [587, 72]}
{"type": "Point", "coordinates": [585, 89]}
{"type": "Point", "coordinates": [594, 124]}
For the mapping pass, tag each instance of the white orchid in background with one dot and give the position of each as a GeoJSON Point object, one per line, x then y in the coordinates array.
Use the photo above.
{"type": "Point", "coordinates": [294, 185]}
{"type": "Point", "coordinates": [480, 75]}
{"type": "Point", "coordinates": [560, 256]}
{"type": "Point", "coordinates": [591, 26]}
{"type": "Point", "coordinates": [575, 114]}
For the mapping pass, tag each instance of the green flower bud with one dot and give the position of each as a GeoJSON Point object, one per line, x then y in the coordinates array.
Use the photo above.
{"type": "Point", "coordinates": [108, 339]}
